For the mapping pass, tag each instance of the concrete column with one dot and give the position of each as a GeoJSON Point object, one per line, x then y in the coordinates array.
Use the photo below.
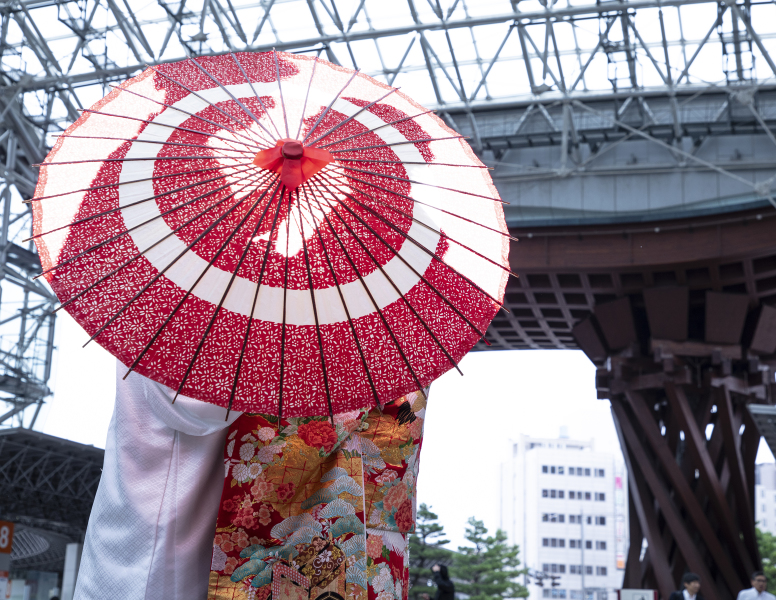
{"type": "Point", "coordinates": [70, 575]}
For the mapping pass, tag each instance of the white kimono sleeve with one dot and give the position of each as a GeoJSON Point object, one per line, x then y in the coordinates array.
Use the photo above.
{"type": "Point", "coordinates": [151, 528]}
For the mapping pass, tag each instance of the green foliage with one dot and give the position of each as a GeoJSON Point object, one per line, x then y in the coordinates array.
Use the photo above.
{"type": "Point", "coordinates": [487, 570]}
{"type": "Point", "coordinates": [767, 544]}
{"type": "Point", "coordinates": [426, 550]}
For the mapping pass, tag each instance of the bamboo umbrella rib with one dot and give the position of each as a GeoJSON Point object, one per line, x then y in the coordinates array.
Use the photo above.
{"type": "Point", "coordinates": [215, 106]}
{"type": "Point", "coordinates": [229, 285]}
{"type": "Point", "coordinates": [349, 319]}
{"type": "Point", "coordinates": [136, 202]}
{"type": "Point", "coordinates": [439, 187]}
{"type": "Point", "coordinates": [255, 93]}
{"type": "Point", "coordinates": [351, 117]}
{"type": "Point", "coordinates": [282, 103]}
{"type": "Point", "coordinates": [426, 250]}
{"type": "Point", "coordinates": [191, 289]}
{"type": "Point", "coordinates": [396, 122]}
{"type": "Point", "coordinates": [149, 158]}
{"type": "Point", "coordinates": [328, 108]}
{"type": "Point", "coordinates": [142, 252]}
{"type": "Point", "coordinates": [389, 145]}
{"type": "Point", "coordinates": [371, 297]}
{"type": "Point", "coordinates": [315, 308]}
{"type": "Point", "coordinates": [306, 97]}
{"type": "Point", "coordinates": [146, 222]}
{"type": "Point", "coordinates": [153, 280]}
{"type": "Point", "coordinates": [232, 96]}
{"type": "Point", "coordinates": [390, 279]}
{"type": "Point", "coordinates": [253, 141]}
{"type": "Point", "coordinates": [162, 142]}
{"type": "Point", "coordinates": [408, 162]}
{"type": "Point", "coordinates": [118, 183]}
{"type": "Point", "coordinates": [253, 305]}
{"type": "Point", "coordinates": [285, 306]}
{"type": "Point", "coordinates": [419, 275]}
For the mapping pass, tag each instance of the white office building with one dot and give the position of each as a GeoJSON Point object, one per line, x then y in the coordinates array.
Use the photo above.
{"type": "Point", "coordinates": [565, 505]}
{"type": "Point", "coordinates": [765, 497]}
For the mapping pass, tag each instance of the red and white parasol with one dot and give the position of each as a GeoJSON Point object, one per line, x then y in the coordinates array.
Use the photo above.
{"type": "Point", "coordinates": [272, 233]}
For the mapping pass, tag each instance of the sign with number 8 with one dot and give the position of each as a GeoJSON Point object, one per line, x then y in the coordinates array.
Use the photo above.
{"type": "Point", "coordinates": [6, 537]}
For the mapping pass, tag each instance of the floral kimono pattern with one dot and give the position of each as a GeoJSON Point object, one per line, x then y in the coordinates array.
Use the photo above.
{"type": "Point", "coordinates": [311, 511]}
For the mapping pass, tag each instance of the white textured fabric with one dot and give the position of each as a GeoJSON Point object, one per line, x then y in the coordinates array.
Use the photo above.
{"type": "Point", "coordinates": [151, 529]}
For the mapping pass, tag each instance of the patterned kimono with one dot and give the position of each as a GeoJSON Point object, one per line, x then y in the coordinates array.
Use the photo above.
{"type": "Point", "coordinates": [311, 511]}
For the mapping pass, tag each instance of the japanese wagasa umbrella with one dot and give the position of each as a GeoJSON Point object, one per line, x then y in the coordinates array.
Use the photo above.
{"type": "Point", "coordinates": [272, 233]}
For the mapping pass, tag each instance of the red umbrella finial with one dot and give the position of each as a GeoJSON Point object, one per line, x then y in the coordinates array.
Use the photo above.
{"type": "Point", "coordinates": [294, 162]}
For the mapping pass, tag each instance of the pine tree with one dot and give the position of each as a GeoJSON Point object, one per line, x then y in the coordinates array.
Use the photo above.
{"type": "Point", "coordinates": [426, 550]}
{"type": "Point", "coordinates": [766, 542]}
{"type": "Point", "coordinates": [488, 570]}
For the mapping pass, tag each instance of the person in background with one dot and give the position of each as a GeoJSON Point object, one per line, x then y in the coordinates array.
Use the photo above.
{"type": "Point", "coordinates": [445, 587]}
{"type": "Point", "coordinates": [692, 585]}
{"type": "Point", "coordinates": [757, 591]}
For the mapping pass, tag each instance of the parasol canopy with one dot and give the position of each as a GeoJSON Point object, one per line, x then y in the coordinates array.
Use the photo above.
{"type": "Point", "coordinates": [272, 233]}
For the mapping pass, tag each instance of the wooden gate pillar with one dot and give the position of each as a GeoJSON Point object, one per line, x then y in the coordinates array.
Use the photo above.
{"type": "Point", "coordinates": [680, 409]}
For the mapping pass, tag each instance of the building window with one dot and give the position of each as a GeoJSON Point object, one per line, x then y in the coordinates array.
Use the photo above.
{"type": "Point", "coordinates": [545, 542]}
{"type": "Point", "coordinates": [560, 470]}
{"type": "Point", "coordinates": [575, 544]}
{"type": "Point", "coordinates": [545, 469]}
{"type": "Point", "coordinates": [590, 520]}
{"type": "Point", "coordinates": [552, 470]}
{"type": "Point", "coordinates": [572, 471]}
{"type": "Point", "coordinates": [546, 568]}
{"type": "Point", "coordinates": [562, 569]}
{"type": "Point", "coordinates": [572, 496]}
{"type": "Point", "coordinates": [600, 520]}
{"type": "Point", "coordinates": [587, 495]}
{"type": "Point", "coordinates": [575, 570]}
{"type": "Point", "coordinates": [575, 519]}
{"type": "Point", "coordinates": [554, 543]}
{"type": "Point", "coordinates": [600, 570]}
{"type": "Point", "coordinates": [553, 568]}
{"type": "Point", "coordinates": [603, 596]}
{"type": "Point", "coordinates": [600, 545]}
{"type": "Point", "coordinates": [545, 493]}
{"type": "Point", "coordinates": [588, 545]}
{"type": "Point", "coordinates": [576, 594]}
{"type": "Point", "coordinates": [588, 570]}
{"type": "Point", "coordinates": [553, 494]}
{"type": "Point", "coordinates": [599, 473]}
{"type": "Point", "coordinates": [545, 593]}
{"type": "Point", "coordinates": [561, 518]}
{"type": "Point", "coordinates": [553, 518]}
{"type": "Point", "coordinates": [587, 472]}
{"type": "Point", "coordinates": [545, 517]}
{"type": "Point", "coordinates": [600, 496]}
{"type": "Point", "coordinates": [560, 494]}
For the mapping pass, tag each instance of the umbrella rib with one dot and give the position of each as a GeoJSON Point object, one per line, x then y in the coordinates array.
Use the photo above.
{"type": "Point", "coordinates": [420, 141]}
{"type": "Point", "coordinates": [253, 306]}
{"type": "Point", "coordinates": [355, 135]}
{"type": "Point", "coordinates": [282, 104]}
{"type": "Point", "coordinates": [135, 203]}
{"type": "Point", "coordinates": [152, 158]}
{"type": "Point", "coordinates": [410, 162]}
{"type": "Point", "coordinates": [164, 143]}
{"type": "Point", "coordinates": [142, 253]}
{"type": "Point", "coordinates": [116, 184]}
{"type": "Point", "coordinates": [432, 254]}
{"type": "Point", "coordinates": [351, 117]}
{"type": "Point", "coordinates": [189, 292]}
{"type": "Point", "coordinates": [232, 96]}
{"type": "Point", "coordinates": [255, 93]}
{"type": "Point", "coordinates": [153, 280]}
{"type": "Point", "coordinates": [315, 308]}
{"type": "Point", "coordinates": [388, 277]}
{"type": "Point", "coordinates": [229, 285]}
{"type": "Point", "coordinates": [123, 233]}
{"type": "Point", "coordinates": [447, 212]}
{"type": "Point", "coordinates": [439, 187]}
{"type": "Point", "coordinates": [328, 108]}
{"type": "Point", "coordinates": [285, 306]}
{"type": "Point", "coordinates": [421, 276]}
{"type": "Point", "coordinates": [186, 129]}
{"type": "Point", "coordinates": [371, 297]}
{"type": "Point", "coordinates": [214, 105]}
{"type": "Point", "coordinates": [342, 299]}
{"type": "Point", "coordinates": [253, 142]}
{"type": "Point", "coordinates": [307, 95]}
